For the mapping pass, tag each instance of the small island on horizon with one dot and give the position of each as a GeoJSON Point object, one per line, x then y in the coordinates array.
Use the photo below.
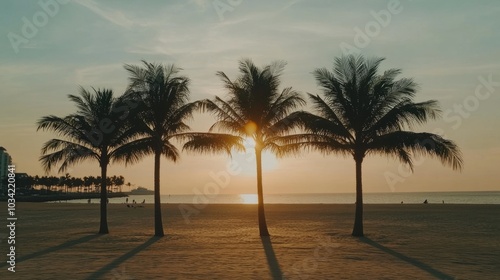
{"type": "Point", "coordinates": [140, 191]}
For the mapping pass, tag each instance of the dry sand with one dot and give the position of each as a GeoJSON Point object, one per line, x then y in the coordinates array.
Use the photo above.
{"type": "Point", "coordinates": [58, 241]}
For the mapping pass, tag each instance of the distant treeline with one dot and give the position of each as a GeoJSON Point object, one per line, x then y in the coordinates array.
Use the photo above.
{"type": "Point", "coordinates": [58, 196]}
{"type": "Point", "coordinates": [49, 185]}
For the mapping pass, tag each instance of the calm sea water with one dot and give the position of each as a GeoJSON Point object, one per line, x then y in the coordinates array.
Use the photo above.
{"type": "Point", "coordinates": [331, 198]}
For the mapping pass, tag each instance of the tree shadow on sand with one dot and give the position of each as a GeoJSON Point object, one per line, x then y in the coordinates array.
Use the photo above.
{"type": "Point", "coordinates": [114, 264]}
{"type": "Point", "coordinates": [425, 267]}
{"type": "Point", "coordinates": [274, 266]}
{"type": "Point", "coordinates": [62, 246]}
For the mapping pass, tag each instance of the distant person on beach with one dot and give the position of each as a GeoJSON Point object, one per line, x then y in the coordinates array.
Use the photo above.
{"type": "Point", "coordinates": [126, 200]}
{"type": "Point", "coordinates": [133, 201]}
{"type": "Point", "coordinates": [401, 202]}
{"type": "Point", "coordinates": [425, 201]}
{"type": "Point", "coordinates": [89, 201]}
{"type": "Point", "coordinates": [443, 201]}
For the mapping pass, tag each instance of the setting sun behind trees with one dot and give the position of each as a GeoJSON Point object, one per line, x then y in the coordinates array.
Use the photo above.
{"type": "Point", "coordinates": [246, 160]}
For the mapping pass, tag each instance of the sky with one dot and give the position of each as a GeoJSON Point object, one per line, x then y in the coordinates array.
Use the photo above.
{"type": "Point", "coordinates": [450, 48]}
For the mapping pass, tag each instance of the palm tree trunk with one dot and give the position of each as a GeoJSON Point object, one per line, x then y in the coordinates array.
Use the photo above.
{"type": "Point", "coordinates": [262, 215]}
{"type": "Point", "coordinates": [103, 229]}
{"type": "Point", "coordinates": [358, 220]}
{"type": "Point", "coordinates": [158, 220]}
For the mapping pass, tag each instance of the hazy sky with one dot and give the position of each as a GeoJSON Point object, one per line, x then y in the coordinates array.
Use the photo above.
{"type": "Point", "coordinates": [451, 48]}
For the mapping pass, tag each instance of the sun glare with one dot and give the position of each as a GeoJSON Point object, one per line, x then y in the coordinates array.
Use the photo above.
{"type": "Point", "coordinates": [250, 128]}
{"type": "Point", "coordinates": [245, 161]}
{"type": "Point", "coordinates": [248, 198]}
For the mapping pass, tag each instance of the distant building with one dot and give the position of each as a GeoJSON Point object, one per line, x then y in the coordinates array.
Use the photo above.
{"type": "Point", "coordinates": [5, 161]}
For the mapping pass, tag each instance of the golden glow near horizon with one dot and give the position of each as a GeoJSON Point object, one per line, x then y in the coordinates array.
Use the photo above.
{"type": "Point", "coordinates": [248, 198]}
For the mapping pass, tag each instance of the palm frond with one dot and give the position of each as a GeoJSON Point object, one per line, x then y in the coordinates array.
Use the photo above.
{"type": "Point", "coordinates": [421, 143]}
{"type": "Point", "coordinates": [229, 119]}
{"type": "Point", "coordinates": [170, 151]}
{"type": "Point", "coordinates": [285, 150]}
{"type": "Point", "coordinates": [228, 126]}
{"type": "Point", "coordinates": [328, 112]}
{"type": "Point", "coordinates": [66, 152]}
{"type": "Point", "coordinates": [405, 113]}
{"type": "Point", "coordinates": [287, 101]}
{"type": "Point", "coordinates": [132, 152]}
{"type": "Point", "coordinates": [212, 143]}
{"type": "Point", "coordinates": [295, 143]}
{"type": "Point", "coordinates": [334, 92]}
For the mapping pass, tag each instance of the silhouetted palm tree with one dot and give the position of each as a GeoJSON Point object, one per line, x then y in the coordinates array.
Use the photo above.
{"type": "Point", "coordinates": [87, 182]}
{"type": "Point", "coordinates": [363, 112]}
{"type": "Point", "coordinates": [254, 108]}
{"type": "Point", "coordinates": [163, 95]}
{"type": "Point", "coordinates": [96, 131]}
{"type": "Point", "coordinates": [78, 183]}
{"type": "Point", "coordinates": [118, 182]}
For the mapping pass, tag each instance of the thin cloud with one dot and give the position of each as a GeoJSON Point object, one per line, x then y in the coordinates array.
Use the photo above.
{"type": "Point", "coordinates": [115, 17]}
{"type": "Point", "coordinates": [452, 70]}
{"type": "Point", "coordinates": [99, 75]}
{"type": "Point", "coordinates": [202, 4]}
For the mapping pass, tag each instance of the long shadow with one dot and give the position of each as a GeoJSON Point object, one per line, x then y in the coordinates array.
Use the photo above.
{"type": "Point", "coordinates": [274, 266]}
{"type": "Point", "coordinates": [49, 250]}
{"type": "Point", "coordinates": [112, 265]}
{"type": "Point", "coordinates": [436, 273]}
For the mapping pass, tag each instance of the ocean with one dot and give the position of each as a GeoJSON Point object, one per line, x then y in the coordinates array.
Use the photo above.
{"type": "Point", "coordinates": [487, 197]}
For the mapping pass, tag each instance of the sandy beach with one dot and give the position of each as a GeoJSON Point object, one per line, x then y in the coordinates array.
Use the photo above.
{"type": "Point", "coordinates": [434, 241]}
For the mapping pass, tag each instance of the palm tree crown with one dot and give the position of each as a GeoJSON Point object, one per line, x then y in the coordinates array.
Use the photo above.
{"type": "Point", "coordinates": [254, 106]}
{"type": "Point", "coordinates": [363, 112]}
{"type": "Point", "coordinates": [98, 131]}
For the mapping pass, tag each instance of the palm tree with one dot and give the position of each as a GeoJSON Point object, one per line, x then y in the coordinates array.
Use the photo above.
{"type": "Point", "coordinates": [363, 112]}
{"type": "Point", "coordinates": [119, 181]}
{"type": "Point", "coordinates": [87, 182]}
{"type": "Point", "coordinates": [163, 95]}
{"type": "Point", "coordinates": [52, 182]}
{"type": "Point", "coordinates": [97, 131]}
{"type": "Point", "coordinates": [44, 182]}
{"type": "Point", "coordinates": [78, 182]}
{"type": "Point", "coordinates": [254, 108]}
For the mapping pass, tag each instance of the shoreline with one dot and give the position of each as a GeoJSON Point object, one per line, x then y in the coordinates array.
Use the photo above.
{"type": "Point", "coordinates": [61, 197]}
{"type": "Point", "coordinates": [393, 198]}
